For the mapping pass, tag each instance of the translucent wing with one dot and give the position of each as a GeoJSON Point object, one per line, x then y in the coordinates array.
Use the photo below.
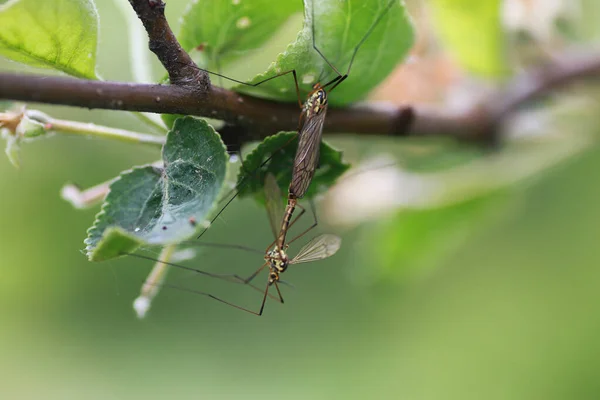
{"type": "Point", "coordinates": [273, 203]}
{"type": "Point", "coordinates": [307, 155]}
{"type": "Point", "coordinates": [318, 248]}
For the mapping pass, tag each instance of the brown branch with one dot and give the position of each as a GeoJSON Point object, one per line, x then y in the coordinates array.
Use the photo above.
{"type": "Point", "coordinates": [260, 118]}
{"type": "Point", "coordinates": [540, 81]}
{"type": "Point", "coordinates": [162, 42]}
{"type": "Point", "coordinates": [482, 123]}
{"type": "Point", "coordinates": [192, 94]}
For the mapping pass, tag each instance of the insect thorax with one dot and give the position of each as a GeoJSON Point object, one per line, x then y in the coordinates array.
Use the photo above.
{"type": "Point", "coordinates": [278, 262]}
{"type": "Point", "coordinates": [316, 102]}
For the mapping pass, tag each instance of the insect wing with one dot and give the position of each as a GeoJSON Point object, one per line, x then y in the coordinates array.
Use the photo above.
{"type": "Point", "coordinates": [318, 248]}
{"type": "Point", "coordinates": [307, 155]}
{"type": "Point", "coordinates": [273, 203]}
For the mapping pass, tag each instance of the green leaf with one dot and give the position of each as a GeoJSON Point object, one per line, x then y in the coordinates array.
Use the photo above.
{"type": "Point", "coordinates": [169, 119]}
{"type": "Point", "coordinates": [115, 242]}
{"type": "Point", "coordinates": [225, 29]}
{"type": "Point", "coordinates": [472, 32]}
{"type": "Point", "coordinates": [158, 206]}
{"type": "Point", "coordinates": [339, 28]}
{"type": "Point", "coordinates": [59, 34]}
{"type": "Point", "coordinates": [414, 242]}
{"type": "Point", "coordinates": [283, 148]}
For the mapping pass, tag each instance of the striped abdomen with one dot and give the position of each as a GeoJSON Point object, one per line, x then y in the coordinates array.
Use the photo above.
{"type": "Point", "coordinates": [287, 217]}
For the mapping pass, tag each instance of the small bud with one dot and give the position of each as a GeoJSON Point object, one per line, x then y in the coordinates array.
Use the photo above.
{"type": "Point", "coordinates": [29, 128]}
{"type": "Point", "coordinates": [141, 305]}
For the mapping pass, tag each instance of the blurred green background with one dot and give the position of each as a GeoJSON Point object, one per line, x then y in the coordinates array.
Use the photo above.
{"type": "Point", "coordinates": [513, 314]}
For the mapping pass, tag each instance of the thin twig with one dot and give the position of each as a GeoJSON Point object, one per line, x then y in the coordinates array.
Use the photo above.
{"type": "Point", "coordinates": [191, 94]}
{"type": "Point", "coordinates": [539, 82]}
{"type": "Point", "coordinates": [87, 198]}
{"type": "Point", "coordinates": [162, 42]}
{"type": "Point", "coordinates": [100, 131]}
{"type": "Point", "coordinates": [262, 117]}
{"type": "Point", "coordinates": [153, 282]}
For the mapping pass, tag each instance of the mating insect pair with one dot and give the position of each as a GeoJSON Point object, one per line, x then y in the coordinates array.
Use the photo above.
{"type": "Point", "coordinates": [276, 259]}
{"type": "Point", "coordinates": [306, 161]}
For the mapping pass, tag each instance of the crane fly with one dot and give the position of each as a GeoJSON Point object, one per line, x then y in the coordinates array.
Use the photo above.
{"type": "Point", "coordinates": [275, 257]}
{"type": "Point", "coordinates": [306, 161]}
{"type": "Point", "coordinates": [310, 127]}
{"type": "Point", "coordinates": [274, 208]}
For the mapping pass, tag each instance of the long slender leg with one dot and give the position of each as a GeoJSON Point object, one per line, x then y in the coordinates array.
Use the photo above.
{"type": "Point", "coordinates": [221, 246]}
{"type": "Point", "coordinates": [218, 65]}
{"type": "Point", "coordinates": [233, 278]}
{"type": "Point", "coordinates": [336, 81]}
{"type": "Point", "coordinates": [254, 274]}
{"type": "Point", "coordinates": [371, 28]}
{"type": "Point", "coordinates": [314, 44]}
{"type": "Point", "coordinates": [259, 313]}
{"type": "Point", "coordinates": [291, 71]}
{"type": "Point", "coordinates": [239, 154]}
{"type": "Point", "coordinates": [278, 292]}
{"type": "Point", "coordinates": [262, 306]}
{"type": "Point", "coordinates": [242, 180]}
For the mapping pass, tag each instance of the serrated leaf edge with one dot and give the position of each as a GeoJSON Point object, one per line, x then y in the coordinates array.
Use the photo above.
{"type": "Point", "coordinates": [105, 204]}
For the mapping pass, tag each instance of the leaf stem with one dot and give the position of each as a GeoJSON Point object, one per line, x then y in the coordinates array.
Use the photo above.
{"type": "Point", "coordinates": [152, 120]}
{"type": "Point", "coordinates": [153, 282]}
{"type": "Point", "coordinates": [82, 199]}
{"type": "Point", "coordinates": [89, 129]}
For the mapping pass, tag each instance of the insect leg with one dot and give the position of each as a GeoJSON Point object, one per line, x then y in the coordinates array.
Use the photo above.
{"type": "Point", "coordinates": [278, 292]}
{"type": "Point", "coordinates": [254, 274]}
{"type": "Point", "coordinates": [233, 278]}
{"type": "Point", "coordinates": [340, 78]}
{"type": "Point", "coordinates": [241, 182]}
{"type": "Point", "coordinates": [259, 313]}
